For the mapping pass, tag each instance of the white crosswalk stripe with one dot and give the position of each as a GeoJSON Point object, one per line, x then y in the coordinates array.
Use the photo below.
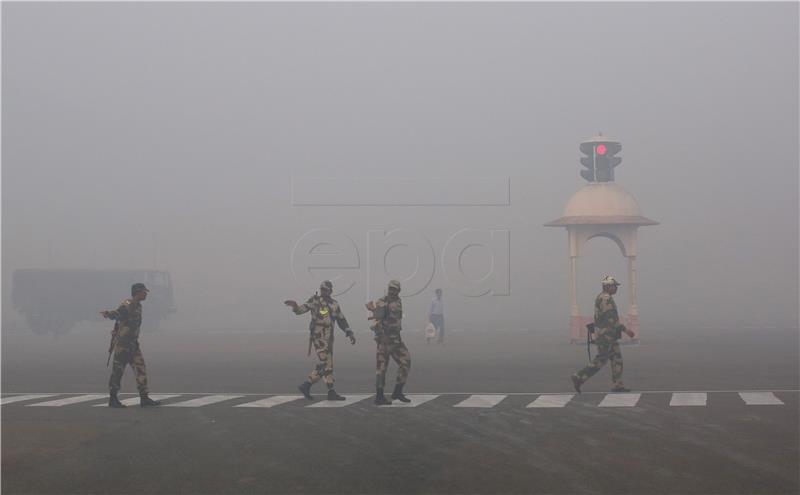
{"type": "Point", "coordinates": [416, 400]}
{"type": "Point", "coordinates": [134, 401]}
{"type": "Point", "coordinates": [350, 400]}
{"type": "Point", "coordinates": [69, 400]}
{"type": "Point", "coordinates": [760, 399]}
{"type": "Point", "coordinates": [481, 401]}
{"type": "Point", "coordinates": [688, 399]}
{"type": "Point", "coordinates": [203, 401]}
{"type": "Point", "coordinates": [20, 398]}
{"type": "Point", "coordinates": [554, 400]}
{"type": "Point", "coordinates": [271, 401]}
{"type": "Point", "coordinates": [476, 401]}
{"type": "Point", "coordinates": [620, 400]}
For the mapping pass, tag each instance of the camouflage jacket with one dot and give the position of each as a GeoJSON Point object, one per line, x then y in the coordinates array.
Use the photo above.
{"type": "Point", "coordinates": [605, 313]}
{"type": "Point", "coordinates": [388, 315]}
{"type": "Point", "coordinates": [129, 320]}
{"type": "Point", "coordinates": [324, 312]}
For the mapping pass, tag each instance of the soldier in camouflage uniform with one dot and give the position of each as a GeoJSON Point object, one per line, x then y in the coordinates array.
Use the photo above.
{"type": "Point", "coordinates": [324, 312]}
{"type": "Point", "coordinates": [125, 346]}
{"type": "Point", "coordinates": [388, 313]}
{"type": "Point", "coordinates": [608, 331]}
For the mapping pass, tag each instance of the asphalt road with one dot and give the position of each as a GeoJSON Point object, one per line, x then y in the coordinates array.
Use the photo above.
{"type": "Point", "coordinates": [649, 446]}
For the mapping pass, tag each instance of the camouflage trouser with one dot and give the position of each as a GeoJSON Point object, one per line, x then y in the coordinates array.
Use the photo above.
{"type": "Point", "coordinates": [125, 354]}
{"type": "Point", "coordinates": [393, 346]}
{"type": "Point", "coordinates": [321, 338]}
{"type": "Point", "coordinates": [607, 349]}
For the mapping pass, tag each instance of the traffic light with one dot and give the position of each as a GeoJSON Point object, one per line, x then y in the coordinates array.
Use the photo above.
{"type": "Point", "coordinates": [605, 161]}
{"type": "Point", "coordinates": [600, 160]}
{"type": "Point", "coordinates": [588, 161]}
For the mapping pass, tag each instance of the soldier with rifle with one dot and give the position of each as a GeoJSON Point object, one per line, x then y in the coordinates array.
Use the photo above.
{"type": "Point", "coordinates": [125, 347]}
{"type": "Point", "coordinates": [387, 313]}
{"type": "Point", "coordinates": [325, 311]}
{"type": "Point", "coordinates": [607, 331]}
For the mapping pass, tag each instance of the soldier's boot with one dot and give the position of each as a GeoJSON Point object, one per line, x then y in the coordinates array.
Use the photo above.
{"type": "Point", "coordinates": [113, 401]}
{"type": "Point", "coordinates": [145, 401]}
{"type": "Point", "coordinates": [620, 388]}
{"type": "Point", "coordinates": [576, 382]}
{"type": "Point", "coordinates": [332, 395]}
{"type": "Point", "coordinates": [305, 389]}
{"type": "Point", "coordinates": [381, 399]}
{"type": "Point", "coordinates": [398, 393]}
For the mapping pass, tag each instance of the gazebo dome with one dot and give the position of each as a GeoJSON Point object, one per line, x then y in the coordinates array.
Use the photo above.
{"type": "Point", "coordinates": [602, 203]}
{"type": "Point", "coordinates": [602, 198]}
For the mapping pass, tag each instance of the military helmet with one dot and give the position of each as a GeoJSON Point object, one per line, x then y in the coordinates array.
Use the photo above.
{"type": "Point", "coordinates": [138, 287]}
{"type": "Point", "coordinates": [609, 280]}
{"type": "Point", "coordinates": [394, 284]}
{"type": "Point", "coordinates": [326, 284]}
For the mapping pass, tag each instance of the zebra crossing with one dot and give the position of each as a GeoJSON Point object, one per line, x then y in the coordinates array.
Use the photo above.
{"type": "Point", "coordinates": [474, 401]}
{"type": "Point", "coordinates": [559, 400]}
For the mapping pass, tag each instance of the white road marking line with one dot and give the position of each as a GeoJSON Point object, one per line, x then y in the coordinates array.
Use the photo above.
{"type": "Point", "coordinates": [416, 400]}
{"type": "Point", "coordinates": [620, 400]}
{"type": "Point", "coordinates": [551, 400]}
{"type": "Point", "coordinates": [203, 401]}
{"type": "Point", "coordinates": [481, 401]}
{"type": "Point", "coordinates": [350, 399]}
{"type": "Point", "coordinates": [760, 399]}
{"type": "Point", "coordinates": [271, 401]}
{"type": "Point", "coordinates": [20, 398]}
{"type": "Point", "coordinates": [688, 399]}
{"type": "Point", "coordinates": [261, 394]}
{"type": "Point", "coordinates": [69, 400]}
{"type": "Point", "coordinates": [134, 401]}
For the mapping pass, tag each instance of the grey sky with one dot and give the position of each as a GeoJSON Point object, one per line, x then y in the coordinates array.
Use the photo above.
{"type": "Point", "coordinates": [127, 125]}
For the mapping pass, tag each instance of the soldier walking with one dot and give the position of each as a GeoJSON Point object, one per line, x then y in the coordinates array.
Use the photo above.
{"type": "Point", "coordinates": [388, 313]}
{"type": "Point", "coordinates": [607, 333]}
{"type": "Point", "coordinates": [324, 312]}
{"type": "Point", "coordinates": [125, 346]}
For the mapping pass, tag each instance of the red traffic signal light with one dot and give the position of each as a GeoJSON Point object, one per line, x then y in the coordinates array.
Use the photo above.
{"type": "Point", "coordinates": [600, 160]}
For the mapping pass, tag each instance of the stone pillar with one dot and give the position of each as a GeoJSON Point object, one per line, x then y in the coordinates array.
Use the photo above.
{"type": "Point", "coordinates": [633, 309]}
{"type": "Point", "coordinates": [575, 319]}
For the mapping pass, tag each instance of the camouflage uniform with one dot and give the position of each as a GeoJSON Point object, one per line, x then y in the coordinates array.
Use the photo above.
{"type": "Point", "coordinates": [608, 331]}
{"type": "Point", "coordinates": [388, 314]}
{"type": "Point", "coordinates": [126, 345]}
{"type": "Point", "coordinates": [324, 312]}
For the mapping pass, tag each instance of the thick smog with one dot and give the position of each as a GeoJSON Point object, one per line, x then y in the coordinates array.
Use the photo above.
{"type": "Point", "coordinates": [238, 238]}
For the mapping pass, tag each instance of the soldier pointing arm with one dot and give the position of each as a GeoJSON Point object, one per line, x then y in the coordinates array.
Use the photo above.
{"type": "Point", "coordinates": [325, 312]}
{"type": "Point", "coordinates": [125, 346]}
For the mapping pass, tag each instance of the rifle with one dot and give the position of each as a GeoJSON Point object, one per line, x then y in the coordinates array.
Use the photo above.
{"type": "Point", "coordinates": [589, 332]}
{"type": "Point", "coordinates": [113, 342]}
{"type": "Point", "coordinates": [311, 325]}
{"type": "Point", "coordinates": [383, 322]}
{"type": "Point", "coordinates": [379, 326]}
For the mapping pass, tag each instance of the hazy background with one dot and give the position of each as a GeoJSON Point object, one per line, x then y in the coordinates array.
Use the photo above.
{"type": "Point", "coordinates": [139, 135]}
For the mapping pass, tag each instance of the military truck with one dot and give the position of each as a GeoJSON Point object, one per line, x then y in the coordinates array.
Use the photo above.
{"type": "Point", "coordinates": [54, 301]}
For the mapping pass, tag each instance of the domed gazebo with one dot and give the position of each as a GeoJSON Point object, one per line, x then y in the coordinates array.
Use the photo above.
{"type": "Point", "coordinates": [602, 208]}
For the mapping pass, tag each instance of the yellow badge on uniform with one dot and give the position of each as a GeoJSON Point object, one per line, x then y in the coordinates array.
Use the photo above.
{"type": "Point", "coordinates": [323, 311]}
